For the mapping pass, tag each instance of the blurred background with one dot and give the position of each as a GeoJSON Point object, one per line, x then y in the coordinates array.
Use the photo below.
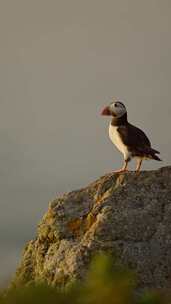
{"type": "Point", "coordinates": [61, 62]}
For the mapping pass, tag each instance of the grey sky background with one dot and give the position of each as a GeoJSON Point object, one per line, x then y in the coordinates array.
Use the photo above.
{"type": "Point", "coordinates": [60, 63]}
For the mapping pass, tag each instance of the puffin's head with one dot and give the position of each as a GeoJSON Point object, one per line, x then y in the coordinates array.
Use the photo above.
{"type": "Point", "coordinates": [115, 109]}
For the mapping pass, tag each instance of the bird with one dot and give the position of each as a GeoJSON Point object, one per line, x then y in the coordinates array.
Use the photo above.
{"type": "Point", "coordinates": [131, 141]}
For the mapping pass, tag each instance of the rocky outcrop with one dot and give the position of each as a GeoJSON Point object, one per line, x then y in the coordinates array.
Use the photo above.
{"type": "Point", "coordinates": [124, 214]}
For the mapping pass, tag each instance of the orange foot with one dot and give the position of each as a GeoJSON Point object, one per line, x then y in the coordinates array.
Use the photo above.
{"type": "Point", "coordinates": [121, 171]}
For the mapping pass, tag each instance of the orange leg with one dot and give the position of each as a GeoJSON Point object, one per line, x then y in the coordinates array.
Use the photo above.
{"type": "Point", "coordinates": [138, 167]}
{"type": "Point", "coordinates": [123, 169]}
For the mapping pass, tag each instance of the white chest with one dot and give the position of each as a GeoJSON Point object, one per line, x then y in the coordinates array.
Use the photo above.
{"type": "Point", "coordinates": [116, 139]}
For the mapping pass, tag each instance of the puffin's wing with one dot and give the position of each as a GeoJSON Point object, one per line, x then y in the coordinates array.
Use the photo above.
{"type": "Point", "coordinates": [137, 142]}
{"type": "Point", "coordinates": [135, 139]}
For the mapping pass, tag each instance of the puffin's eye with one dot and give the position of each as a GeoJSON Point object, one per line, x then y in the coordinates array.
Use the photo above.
{"type": "Point", "coordinates": [116, 105]}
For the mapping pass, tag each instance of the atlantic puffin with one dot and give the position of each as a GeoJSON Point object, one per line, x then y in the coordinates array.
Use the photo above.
{"type": "Point", "coordinates": [131, 141]}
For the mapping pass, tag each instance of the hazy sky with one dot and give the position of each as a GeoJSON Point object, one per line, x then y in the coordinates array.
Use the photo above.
{"type": "Point", "coordinates": [61, 61]}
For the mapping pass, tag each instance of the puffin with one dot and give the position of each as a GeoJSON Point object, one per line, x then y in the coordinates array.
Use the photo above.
{"type": "Point", "coordinates": [131, 141]}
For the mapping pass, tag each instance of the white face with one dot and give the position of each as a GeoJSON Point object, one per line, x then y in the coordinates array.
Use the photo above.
{"type": "Point", "coordinates": [117, 108]}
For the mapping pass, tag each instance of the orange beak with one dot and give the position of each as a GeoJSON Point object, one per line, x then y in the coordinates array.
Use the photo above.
{"type": "Point", "coordinates": [106, 111]}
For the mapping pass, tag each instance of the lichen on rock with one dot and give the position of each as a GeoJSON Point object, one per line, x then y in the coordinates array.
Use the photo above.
{"type": "Point", "coordinates": [123, 214]}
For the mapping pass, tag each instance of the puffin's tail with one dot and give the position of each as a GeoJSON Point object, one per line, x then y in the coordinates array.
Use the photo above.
{"type": "Point", "coordinates": [155, 151]}
{"type": "Point", "coordinates": [156, 157]}
{"type": "Point", "coordinates": [153, 154]}
{"type": "Point", "coordinates": [149, 152]}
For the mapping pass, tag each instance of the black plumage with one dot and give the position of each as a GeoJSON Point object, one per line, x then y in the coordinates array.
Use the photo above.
{"type": "Point", "coordinates": [137, 142]}
{"type": "Point", "coordinates": [134, 138]}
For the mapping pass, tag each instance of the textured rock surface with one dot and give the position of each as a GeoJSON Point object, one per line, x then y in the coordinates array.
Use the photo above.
{"type": "Point", "coordinates": [124, 214]}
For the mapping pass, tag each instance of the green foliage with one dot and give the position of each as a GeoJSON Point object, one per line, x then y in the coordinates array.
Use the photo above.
{"type": "Point", "coordinates": [106, 282]}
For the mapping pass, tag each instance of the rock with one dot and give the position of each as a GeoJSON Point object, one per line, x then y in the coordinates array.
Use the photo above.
{"type": "Point", "coordinates": [124, 214]}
